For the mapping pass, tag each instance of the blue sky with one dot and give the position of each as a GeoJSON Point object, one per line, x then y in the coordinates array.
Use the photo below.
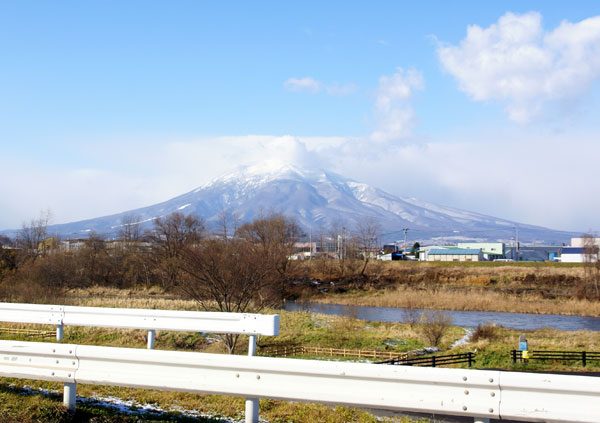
{"type": "Point", "coordinates": [108, 106]}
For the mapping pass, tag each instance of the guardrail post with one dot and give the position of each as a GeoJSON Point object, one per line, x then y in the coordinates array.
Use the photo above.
{"type": "Point", "coordinates": [70, 396]}
{"type": "Point", "coordinates": [252, 403]}
{"type": "Point", "coordinates": [583, 358]}
{"type": "Point", "coordinates": [59, 332]}
{"type": "Point", "coordinates": [151, 336]}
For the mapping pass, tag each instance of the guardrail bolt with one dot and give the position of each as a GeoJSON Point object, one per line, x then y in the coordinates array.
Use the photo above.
{"type": "Point", "coordinates": [491, 380]}
{"type": "Point", "coordinates": [466, 392]}
{"type": "Point", "coordinates": [491, 410]}
{"type": "Point", "coordinates": [464, 408]}
{"type": "Point", "coordinates": [258, 376]}
{"type": "Point", "coordinates": [492, 394]}
{"type": "Point", "coordinates": [464, 378]}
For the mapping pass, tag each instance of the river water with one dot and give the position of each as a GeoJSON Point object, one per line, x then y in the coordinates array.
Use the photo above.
{"type": "Point", "coordinates": [459, 318]}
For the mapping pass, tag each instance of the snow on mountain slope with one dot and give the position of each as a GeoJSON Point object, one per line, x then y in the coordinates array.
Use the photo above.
{"type": "Point", "coordinates": [318, 199]}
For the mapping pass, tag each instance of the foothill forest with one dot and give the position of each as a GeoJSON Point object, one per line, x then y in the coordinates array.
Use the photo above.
{"type": "Point", "coordinates": [182, 264]}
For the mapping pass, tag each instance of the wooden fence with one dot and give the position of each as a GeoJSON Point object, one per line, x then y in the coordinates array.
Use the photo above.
{"type": "Point", "coordinates": [331, 352]}
{"type": "Point", "coordinates": [28, 332]}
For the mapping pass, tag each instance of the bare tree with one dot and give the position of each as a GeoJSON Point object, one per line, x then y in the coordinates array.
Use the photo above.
{"type": "Point", "coordinates": [274, 237]}
{"type": "Point", "coordinates": [367, 238]}
{"type": "Point", "coordinates": [29, 238]}
{"type": "Point", "coordinates": [170, 236]}
{"type": "Point", "coordinates": [130, 231]}
{"type": "Point", "coordinates": [227, 224]}
{"type": "Point", "coordinates": [231, 276]}
{"type": "Point", "coordinates": [591, 265]}
{"type": "Point", "coordinates": [93, 259]}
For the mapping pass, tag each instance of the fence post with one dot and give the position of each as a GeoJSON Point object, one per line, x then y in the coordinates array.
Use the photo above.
{"type": "Point", "coordinates": [70, 396]}
{"type": "Point", "coordinates": [433, 361]}
{"type": "Point", "coordinates": [469, 355]}
{"type": "Point", "coordinates": [252, 403]}
{"type": "Point", "coordinates": [514, 356]}
{"type": "Point", "coordinates": [583, 358]}
{"type": "Point", "coordinates": [59, 332]}
{"type": "Point", "coordinates": [151, 336]}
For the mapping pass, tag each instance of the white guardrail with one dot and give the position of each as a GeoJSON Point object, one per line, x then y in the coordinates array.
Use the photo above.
{"type": "Point", "coordinates": [482, 394]}
{"type": "Point", "coordinates": [147, 319]}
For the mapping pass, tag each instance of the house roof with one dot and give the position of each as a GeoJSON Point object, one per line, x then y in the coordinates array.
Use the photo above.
{"type": "Point", "coordinates": [456, 251]}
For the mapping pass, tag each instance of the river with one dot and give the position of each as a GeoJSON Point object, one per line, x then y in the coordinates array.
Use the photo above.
{"type": "Point", "coordinates": [471, 319]}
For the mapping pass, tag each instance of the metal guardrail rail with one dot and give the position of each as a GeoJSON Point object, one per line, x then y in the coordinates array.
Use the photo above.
{"type": "Point", "coordinates": [150, 320]}
{"type": "Point", "coordinates": [146, 319]}
{"type": "Point", "coordinates": [482, 394]}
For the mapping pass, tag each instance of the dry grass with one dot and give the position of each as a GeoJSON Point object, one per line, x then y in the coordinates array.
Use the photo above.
{"type": "Point", "coordinates": [544, 288]}
{"type": "Point", "coordinates": [465, 299]}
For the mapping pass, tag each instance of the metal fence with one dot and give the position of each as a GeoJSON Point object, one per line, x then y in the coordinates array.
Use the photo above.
{"type": "Point", "coordinates": [434, 360]}
{"type": "Point", "coordinates": [583, 356]}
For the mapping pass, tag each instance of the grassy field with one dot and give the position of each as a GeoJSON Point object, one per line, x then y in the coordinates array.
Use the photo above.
{"type": "Point", "coordinates": [21, 401]}
{"type": "Point", "coordinates": [544, 288]}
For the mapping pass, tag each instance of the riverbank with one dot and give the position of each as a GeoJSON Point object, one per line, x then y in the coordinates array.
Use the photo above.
{"type": "Point", "coordinates": [540, 288]}
{"type": "Point", "coordinates": [461, 299]}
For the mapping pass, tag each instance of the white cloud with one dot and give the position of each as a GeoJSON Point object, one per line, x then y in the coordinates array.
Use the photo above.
{"type": "Point", "coordinates": [393, 111]}
{"type": "Point", "coordinates": [341, 90]}
{"type": "Point", "coordinates": [306, 84]}
{"type": "Point", "coordinates": [522, 66]}
{"type": "Point", "coordinates": [541, 180]}
{"type": "Point", "coordinates": [311, 85]}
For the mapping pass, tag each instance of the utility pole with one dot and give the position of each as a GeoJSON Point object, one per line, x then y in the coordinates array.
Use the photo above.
{"type": "Point", "coordinates": [344, 241]}
{"type": "Point", "coordinates": [405, 232]}
{"type": "Point", "coordinates": [517, 241]}
{"type": "Point", "coordinates": [310, 244]}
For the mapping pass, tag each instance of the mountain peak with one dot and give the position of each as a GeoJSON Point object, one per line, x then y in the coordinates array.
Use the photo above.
{"type": "Point", "coordinates": [318, 200]}
{"type": "Point", "coordinates": [270, 170]}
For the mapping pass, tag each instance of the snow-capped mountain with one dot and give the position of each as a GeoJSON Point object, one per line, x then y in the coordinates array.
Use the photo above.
{"type": "Point", "coordinates": [319, 200]}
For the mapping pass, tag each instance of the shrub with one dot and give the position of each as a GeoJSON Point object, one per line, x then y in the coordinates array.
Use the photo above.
{"type": "Point", "coordinates": [487, 331]}
{"type": "Point", "coordinates": [434, 325]}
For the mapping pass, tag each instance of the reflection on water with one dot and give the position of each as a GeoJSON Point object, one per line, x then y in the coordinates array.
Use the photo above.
{"type": "Point", "coordinates": [459, 318]}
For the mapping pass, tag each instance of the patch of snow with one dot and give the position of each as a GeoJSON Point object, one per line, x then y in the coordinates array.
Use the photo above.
{"type": "Point", "coordinates": [184, 206]}
{"type": "Point", "coordinates": [132, 407]}
{"type": "Point", "coordinates": [464, 340]}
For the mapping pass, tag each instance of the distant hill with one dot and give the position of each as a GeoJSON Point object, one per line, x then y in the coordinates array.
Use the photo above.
{"type": "Point", "coordinates": [320, 199]}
